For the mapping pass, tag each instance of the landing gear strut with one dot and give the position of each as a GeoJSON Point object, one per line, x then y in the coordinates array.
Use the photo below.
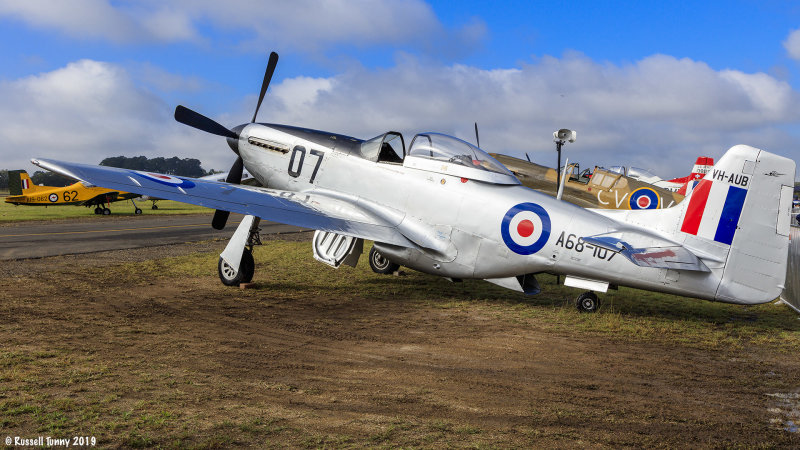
{"type": "Point", "coordinates": [236, 264]}
{"type": "Point", "coordinates": [587, 302]}
{"type": "Point", "coordinates": [380, 264]}
{"type": "Point", "coordinates": [232, 277]}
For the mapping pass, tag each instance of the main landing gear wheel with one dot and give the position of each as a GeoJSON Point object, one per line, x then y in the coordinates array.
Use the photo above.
{"type": "Point", "coordinates": [154, 207]}
{"type": "Point", "coordinates": [231, 277]}
{"type": "Point", "coordinates": [98, 210]}
{"type": "Point", "coordinates": [106, 212]}
{"type": "Point", "coordinates": [137, 211]}
{"type": "Point", "coordinates": [380, 264]}
{"type": "Point", "coordinates": [587, 302]}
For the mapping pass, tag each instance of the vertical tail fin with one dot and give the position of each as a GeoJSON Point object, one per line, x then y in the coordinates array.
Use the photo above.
{"type": "Point", "coordinates": [19, 183]}
{"type": "Point", "coordinates": [702, 166]}
{"type": "Point", "coordinates": [739, 212]}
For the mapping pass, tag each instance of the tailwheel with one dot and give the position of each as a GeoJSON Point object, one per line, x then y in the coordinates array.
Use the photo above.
{"type": "Point", "coordinates": [587, 302]}
{"type": "Point", "coordinates": [230, 277]}
{"type": "Point", "coordinates": [380, 264]}
{"type": "Point", "coordinates": [106, 212]}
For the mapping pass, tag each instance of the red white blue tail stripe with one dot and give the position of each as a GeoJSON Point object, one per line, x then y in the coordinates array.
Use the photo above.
{"type": "Point", "coordinates": [26, 183]}
{"type": "Point", "coordinates": [714, 210]}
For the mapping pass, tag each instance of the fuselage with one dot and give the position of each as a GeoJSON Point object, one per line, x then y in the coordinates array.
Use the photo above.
{"type": "Point", "coordinates": [74, 194]}
{"type": "Point", "coordinates": [467, 221]}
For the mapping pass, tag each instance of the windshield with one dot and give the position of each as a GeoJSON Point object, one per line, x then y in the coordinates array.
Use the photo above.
{"type": "Point", "coordinates": [617, 169]}
{"type": "Point", "coordinates": [637, 172]}
{"type": "Point", "coordinates": [441, 147]}
{"type": "Point", "coordinates": [387, 147]}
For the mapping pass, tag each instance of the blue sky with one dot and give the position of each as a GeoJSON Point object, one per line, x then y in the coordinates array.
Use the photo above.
{"type": "Point", "coordinates": [652, 84]}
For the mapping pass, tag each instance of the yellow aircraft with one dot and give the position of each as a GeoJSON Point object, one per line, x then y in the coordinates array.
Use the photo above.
{"type": "Point", "coordinates": [23, 192]}
{"type": "Point", "coordinates": [597, 188]}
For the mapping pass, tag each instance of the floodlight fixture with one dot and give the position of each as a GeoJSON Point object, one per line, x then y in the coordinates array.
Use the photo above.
{"type": "Point", "coordinates": [561, 137]}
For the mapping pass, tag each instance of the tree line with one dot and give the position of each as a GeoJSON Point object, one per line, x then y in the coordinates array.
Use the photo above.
{"type": "Point", "coordinates": [185, 167]}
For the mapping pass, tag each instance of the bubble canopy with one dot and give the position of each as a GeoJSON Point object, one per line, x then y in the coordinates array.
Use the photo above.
{"type": "Point", "coordinates": [441, 153]}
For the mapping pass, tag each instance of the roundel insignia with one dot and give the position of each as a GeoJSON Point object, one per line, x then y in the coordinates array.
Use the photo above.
{"type": "Point", "coordinates": [525, 228]}
{"type": "Point", "coordinates": [53, 197]}
{"type": "Point", "coordinates": [165, 179]}
{"type": "Point", "coordinates": [644, 198]}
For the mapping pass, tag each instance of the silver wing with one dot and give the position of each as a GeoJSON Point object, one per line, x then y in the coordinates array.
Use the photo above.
{"type": "Point", "coordinates": [317, 210]}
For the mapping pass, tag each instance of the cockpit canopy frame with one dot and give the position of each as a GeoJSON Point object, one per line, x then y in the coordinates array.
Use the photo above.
{"type": "Point", "coordinates": [441, 153]}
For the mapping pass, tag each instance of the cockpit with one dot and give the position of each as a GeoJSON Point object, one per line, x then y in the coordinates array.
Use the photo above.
{"type": "Point", "coordinates": [441, 153]}
{"type": "Point", "coordinates": [436, 152]}
{"type": "Point", "coordinates": [635, 173]}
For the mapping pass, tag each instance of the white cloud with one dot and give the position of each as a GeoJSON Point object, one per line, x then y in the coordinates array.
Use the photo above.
{"type": "Point", "coordinates": [792, 44]}
{"type": "Point", "coordinates": [660, 112]}
{"type": "Point", "coordinates": [90, 110]}
{"type": "Point", "coordinates": [306, 25]}
{"type": "Point", "coordinates": [99, 19]}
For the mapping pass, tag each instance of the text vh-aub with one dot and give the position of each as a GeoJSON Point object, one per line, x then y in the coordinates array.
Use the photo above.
{"type": "Point", "coordinates": [445, 207]}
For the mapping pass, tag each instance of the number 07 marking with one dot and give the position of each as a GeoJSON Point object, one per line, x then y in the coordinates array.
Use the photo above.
{"type": "Point", "coordinates": [299, 149]}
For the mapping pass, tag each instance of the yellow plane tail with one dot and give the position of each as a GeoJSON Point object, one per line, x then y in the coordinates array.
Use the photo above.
{"type": "Point", "coordinates": [19, 183]}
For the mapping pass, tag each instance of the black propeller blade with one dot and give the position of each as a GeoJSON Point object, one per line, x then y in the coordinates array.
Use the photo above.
{"type": "Point", "coordinates": [235, 177]}
{"type": "Point", "coordinates": [273, 61]}
{"type": "Point", "coordinates": [186, 116]}
{"type": "Point", "coordinates": [477, 138]}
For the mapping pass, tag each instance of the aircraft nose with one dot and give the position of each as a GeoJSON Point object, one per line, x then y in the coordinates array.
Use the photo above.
{"type": "Point", "coordinates": [234, 143]}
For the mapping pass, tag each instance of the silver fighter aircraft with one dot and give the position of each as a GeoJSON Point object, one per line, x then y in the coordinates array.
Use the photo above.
{"type": "Point", "coordinates": [445, 207]}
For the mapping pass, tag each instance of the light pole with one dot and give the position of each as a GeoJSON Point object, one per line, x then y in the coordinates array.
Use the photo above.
{"type": "Point", "coordinates": [561, 137]}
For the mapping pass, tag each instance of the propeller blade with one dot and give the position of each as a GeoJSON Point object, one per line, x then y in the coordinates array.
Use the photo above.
{"type": "Point", "coordinates": [477, 138]}
{"type": "Point", "coordinates": [235, 177]}
{"type": "Point", "coordinates": [196, 120]}
{"type": "Point", "coordinates": [273, 61]}
{"type": "Point", "coordinates": [220, 219]}
{"type": "Point", "coordinates": [529, 158]}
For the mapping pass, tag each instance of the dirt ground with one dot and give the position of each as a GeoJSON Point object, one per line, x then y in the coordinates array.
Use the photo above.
{"type": "Point", "coordinates": [183, 362]}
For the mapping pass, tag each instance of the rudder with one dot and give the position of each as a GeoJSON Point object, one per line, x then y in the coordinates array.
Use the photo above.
{"type": "Point", "coordinates": [740, 213]}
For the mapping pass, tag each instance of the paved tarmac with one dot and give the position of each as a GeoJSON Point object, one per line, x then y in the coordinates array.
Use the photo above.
{"type": "Point", "coordinates": [26, 240]}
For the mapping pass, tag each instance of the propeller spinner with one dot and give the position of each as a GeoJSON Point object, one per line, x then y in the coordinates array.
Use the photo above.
{"type": "Point", "coordinates": [196, 120]}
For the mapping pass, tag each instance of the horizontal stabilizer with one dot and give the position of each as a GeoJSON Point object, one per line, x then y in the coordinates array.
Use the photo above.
{"type": "Point", "coordinates": [668, 256]}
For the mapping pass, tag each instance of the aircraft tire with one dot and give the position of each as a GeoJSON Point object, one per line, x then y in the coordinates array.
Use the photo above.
{"type": "Point", "coordinates": [587, 302]}
{"type": "Point", "coordinates": [98, 210]}
{"type": "Point", "coordinates": [247, 268]}
{"type": "Point", "coordinates": [380, 264]}
{"type": "Point", "coordinates": [154, 207]}
{"type": "Point", "coordinates": [106, 212]}
{"type": "Point", "coordinates": [137, 211]}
